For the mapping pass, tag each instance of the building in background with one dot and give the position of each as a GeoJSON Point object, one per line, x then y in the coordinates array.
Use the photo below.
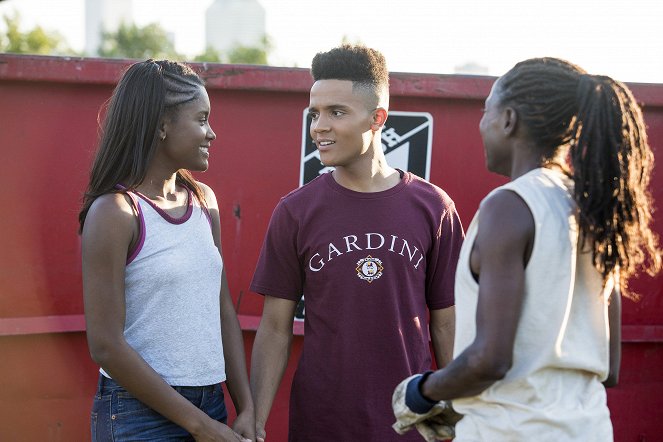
{"type": "Point", "coordinates": [104, 16]}
{"type": "Point", "coordinates": [471, 68]}
{"type": "Point", "coordinates": [229, 23]}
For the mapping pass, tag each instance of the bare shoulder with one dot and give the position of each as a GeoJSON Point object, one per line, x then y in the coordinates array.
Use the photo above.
{"type": "Point", "coordinates": [505, 221]}
{"type": "Point", "coordinates": [111, 214]}
{"type": "Point", "coordinates": [112, 205]}
{"type": "Point", "coordinates": [213, 210]}
{"type": "Point", "coordinates": [210, 197]}
{"type": "Point", "coordinates": [505, 214]}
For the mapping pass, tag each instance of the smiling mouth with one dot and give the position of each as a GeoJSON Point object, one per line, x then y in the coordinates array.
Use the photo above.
{"type": "Point", "coordinates": [325, 143]}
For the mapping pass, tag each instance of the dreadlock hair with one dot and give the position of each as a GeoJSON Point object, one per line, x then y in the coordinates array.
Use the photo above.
{"type": "Point", "coordinates": [599, 121]}
{"type": "Point", "coordinates": [365, 67]}
{"type": "Point", "coordinates": [147, 92]}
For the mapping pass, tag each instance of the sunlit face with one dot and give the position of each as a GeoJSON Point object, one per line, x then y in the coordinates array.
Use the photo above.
{"type": "Point", "coordinates": [341, 121]}
{"type": "Point", "coordinates": [188, 135]}
{"type": "Point", "coordinates": [497, 154]}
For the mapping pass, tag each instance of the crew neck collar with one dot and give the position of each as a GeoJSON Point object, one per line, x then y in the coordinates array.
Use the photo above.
{"type": "Point", "coordinates": [406, 178]}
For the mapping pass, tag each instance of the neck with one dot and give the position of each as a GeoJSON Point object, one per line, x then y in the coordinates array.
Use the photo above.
{"type": "Point", "coordinates": [528, 157]}
{"type": "Point", "coordinates": [371, 175]}
{"type": "Point", "coordinates": [155, 186]}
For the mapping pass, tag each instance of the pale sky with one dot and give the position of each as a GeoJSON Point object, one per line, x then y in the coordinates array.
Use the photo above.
{"type": "Point", "coordinates": [620, 38]}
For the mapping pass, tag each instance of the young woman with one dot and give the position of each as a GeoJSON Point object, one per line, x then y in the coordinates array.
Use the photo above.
{"type": "Point", "coordinates": [160, 320]}
{"type": "Point", "coordinates": [544, 262]}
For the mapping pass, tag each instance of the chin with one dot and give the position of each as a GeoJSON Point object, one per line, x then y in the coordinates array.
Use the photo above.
{"type": "Point", "coordinates": [328, 162]}
{"type": "Point", "coordinates": [200, 168]}
{"type": "Point", "coordinates": [491, 163]}
{"type": "Point", "coordinates": [498, 170]}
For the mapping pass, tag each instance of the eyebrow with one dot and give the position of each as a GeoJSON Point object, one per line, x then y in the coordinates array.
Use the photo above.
{"type": "Point", "coordinates": [330, 106]}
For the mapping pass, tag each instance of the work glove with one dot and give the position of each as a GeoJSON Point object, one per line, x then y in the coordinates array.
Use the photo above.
{"type": "Point", "coordinates": [439, 427]}
{"type": "Point", "coordinates": [433, 420]}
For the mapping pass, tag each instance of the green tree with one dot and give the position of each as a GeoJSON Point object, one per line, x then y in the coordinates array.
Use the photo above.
{"type": "Point", "coordinates": [210, 55]}
{"type": "Point", "coordinates": [131, 41]}
{"type": "Point", "coordinates": [35, 41]}
{"type": "Point", "coordinates": [251, 54]}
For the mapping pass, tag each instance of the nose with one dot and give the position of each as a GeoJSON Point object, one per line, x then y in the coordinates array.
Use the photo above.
{"type": "Point", "coordinates": [210, 134]}
{"type": "Point", "coordinates": [319, 125]}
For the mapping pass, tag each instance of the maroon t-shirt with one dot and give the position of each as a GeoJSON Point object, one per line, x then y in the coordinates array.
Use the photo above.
{"type": "Point", "coordinates": [369, 266]}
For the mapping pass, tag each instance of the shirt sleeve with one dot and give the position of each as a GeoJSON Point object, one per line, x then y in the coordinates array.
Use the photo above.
{"type": "Point", "coordinates": [441, 271]}
{"type": "Point", "coordinates": [279, 271]}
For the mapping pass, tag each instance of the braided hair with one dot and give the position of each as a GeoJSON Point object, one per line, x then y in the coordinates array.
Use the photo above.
{"type": "Point", "coordinates": [147, 92]}
{"type": "Point", "coordinates": [610, 161]}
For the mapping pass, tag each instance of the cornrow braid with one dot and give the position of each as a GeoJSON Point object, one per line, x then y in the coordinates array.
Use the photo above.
{"type": "Point", "coordinates": [181, 83]}
{"type": "Point", "coordinates": [611, 162]}
{"type": "Point", "coordinates": [129, 136]}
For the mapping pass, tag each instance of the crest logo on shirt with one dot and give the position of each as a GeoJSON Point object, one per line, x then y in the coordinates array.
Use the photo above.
{"type": "Point", "coordinates": [407, 140]}
{"type": "Point", "coordinates": [369, 269]}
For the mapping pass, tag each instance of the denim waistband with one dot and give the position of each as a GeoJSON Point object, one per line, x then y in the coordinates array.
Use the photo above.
{"type": "Point", "coordinates": [108, 384]}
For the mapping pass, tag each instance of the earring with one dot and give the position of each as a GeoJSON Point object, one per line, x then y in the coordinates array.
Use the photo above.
{"type": "Point", "coordinates": [163, 137]}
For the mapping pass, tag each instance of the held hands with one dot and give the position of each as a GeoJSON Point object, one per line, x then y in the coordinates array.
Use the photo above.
{"type": "Point", "coordinates": [218, 432]}
{"type": "Point", "coordinates": [433, 420]}
{"type": "Point", "coordinates": [244, 425]}
{"type": "Point", "coordinates": [261, 435]}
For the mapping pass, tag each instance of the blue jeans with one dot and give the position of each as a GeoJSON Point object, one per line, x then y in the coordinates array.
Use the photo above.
{"type": "Point", "coordinates": [117, 416]}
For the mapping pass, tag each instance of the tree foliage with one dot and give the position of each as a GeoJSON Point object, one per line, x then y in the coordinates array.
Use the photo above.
{"type": "Point", "coordinates": [131, 41]}
{"type": "Point", "coordinates": [238, 54]}
{"type": "Point", "coordinates": [128, 41]}
{"type": "Point", "coordinates": [34, 41]}
{"type": "Point", "coordinates": [210, 55]}
{"type": "Point", "coordinates": [251, 54]}
{"type": "Point", "coordinates": [247, 55]}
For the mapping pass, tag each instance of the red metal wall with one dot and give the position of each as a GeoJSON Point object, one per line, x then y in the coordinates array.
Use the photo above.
{"type": "Point", "coordinates": [48, 129]}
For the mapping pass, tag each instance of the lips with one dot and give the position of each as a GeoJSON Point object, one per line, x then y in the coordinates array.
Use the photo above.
{"type": "Point", "coordinates": [322, 144]}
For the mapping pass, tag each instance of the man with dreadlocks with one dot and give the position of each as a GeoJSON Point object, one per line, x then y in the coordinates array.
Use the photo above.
{"type": "Point", "coordinates": [545, 260]}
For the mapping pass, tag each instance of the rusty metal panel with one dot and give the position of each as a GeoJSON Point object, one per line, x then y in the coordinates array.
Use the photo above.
{"type": "Point", "coordinates": [48, 127]}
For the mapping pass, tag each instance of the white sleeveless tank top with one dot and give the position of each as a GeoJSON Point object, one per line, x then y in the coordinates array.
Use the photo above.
{"type": "Point", "coordinates": [553, 391]}
{"type": "Point", "coordinates": [172, 288]}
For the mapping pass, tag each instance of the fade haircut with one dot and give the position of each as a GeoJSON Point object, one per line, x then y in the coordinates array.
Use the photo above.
{"type": "Point", "coordinates": [365, 67]}
{"type": "Point", "coordinates": [610, 159]}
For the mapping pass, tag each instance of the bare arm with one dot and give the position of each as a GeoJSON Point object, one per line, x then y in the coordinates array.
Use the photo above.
{"type": "Point", "coordinates": [506, 230]}
{"type": "Point", "coordinates": [615, 324]}
{"type": "Point", "coordinates": [233, 342]}
{"type": "Point", "coordinates": [237, 379]}
{"type": "Point", "coordinates": [442, 325]}
{"type": "Point", "coordinates": [271, 351]}
{"type": "Point", "coordinates": [108, 232]}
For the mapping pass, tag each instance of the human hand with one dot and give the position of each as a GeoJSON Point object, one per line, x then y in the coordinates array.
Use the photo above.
{"type": "Point", "coordinates": [261, 435]}
{"type": "Point", "coordinates": [245, 425]}
{"type": "Point", "coordinates": [439, 427]}
{"type": "Point", "coordinates": [214, 431]}
{"type": "Point", "coordinates": [413, 410]}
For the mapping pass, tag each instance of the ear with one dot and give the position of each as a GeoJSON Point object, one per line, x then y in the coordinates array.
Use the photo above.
{"type": "Point", "coordinates": [379, 118]}
{"type": "Point", "coordinates": [162, 130]}
{"type": "Point", "coordinates": [509, 121]}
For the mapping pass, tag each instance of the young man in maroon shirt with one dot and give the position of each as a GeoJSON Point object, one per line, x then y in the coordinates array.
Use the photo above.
{"type": "Point", "coordinates": [374, 251]}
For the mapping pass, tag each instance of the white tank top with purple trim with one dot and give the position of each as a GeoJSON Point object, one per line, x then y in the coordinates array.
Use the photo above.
{"type": "Point", "coordinates": [172, 288]}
